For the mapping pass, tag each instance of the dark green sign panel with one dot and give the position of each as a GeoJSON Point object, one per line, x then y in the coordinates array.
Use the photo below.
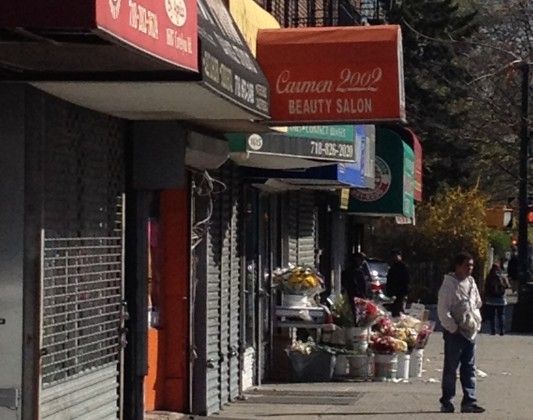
{"type": "Point", "coordinates": [394, 180]}
{"type": "Point", "coordinates": [338, 145]}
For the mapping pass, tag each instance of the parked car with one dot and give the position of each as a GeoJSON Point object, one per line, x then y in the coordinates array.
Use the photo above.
{"type": "Point", "coordinates": [378, 270]}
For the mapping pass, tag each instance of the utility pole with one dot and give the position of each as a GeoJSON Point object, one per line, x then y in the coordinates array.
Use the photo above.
{"type": "Point", "coordinates": [522, 315]}
{"type": "Point", "coordinates": [523, 252]}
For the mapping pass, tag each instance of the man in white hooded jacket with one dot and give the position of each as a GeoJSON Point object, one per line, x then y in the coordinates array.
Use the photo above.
{"type": "Point", "coordinates": [458, 309]}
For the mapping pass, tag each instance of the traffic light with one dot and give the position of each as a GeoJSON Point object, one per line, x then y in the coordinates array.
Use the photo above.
{"type": "Point", "coordinates": [530, 214]}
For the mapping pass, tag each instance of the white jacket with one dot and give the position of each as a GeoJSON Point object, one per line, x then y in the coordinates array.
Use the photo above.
{"type": "Point", "coordinates": [452, 295]}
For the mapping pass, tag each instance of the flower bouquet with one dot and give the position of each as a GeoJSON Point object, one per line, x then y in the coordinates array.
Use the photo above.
{"type": "Point", "coordinates": [413, 331]}
{"type": "Point", "coordinates": [425, 330]}
{"type": "Point", "coordinates": [299, 280]}
{"type": "Point", "coordinates": [409, 335]}
{"type": "Point", "coordinates": [386, 344]}
{"type": "Point", "coordinates": [366, 313]}
{"type": "Point", "coordinates": [302, 347]}
{"type": "Point", "coordinates": [385, 326]}
{"type": "Point", "coordinates": [388, 338]}
{"type": "Point", "coordinates": [342, 312]}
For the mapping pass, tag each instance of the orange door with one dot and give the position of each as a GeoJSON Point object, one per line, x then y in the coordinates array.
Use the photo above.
{"type": "Point", "coordinates": [166, 384]}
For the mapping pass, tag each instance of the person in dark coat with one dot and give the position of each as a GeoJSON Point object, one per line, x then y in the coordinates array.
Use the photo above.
{"type": "Point", "coordinates": [495, 301]}
{"type": "Point", "coordinates": [360, 260]}
{"type": "Point", "coordinates": [512, 269]}
{"type": "Point", "coordinates": [398, 281]}
{"type": "Point", "coordinates": [354, 281]}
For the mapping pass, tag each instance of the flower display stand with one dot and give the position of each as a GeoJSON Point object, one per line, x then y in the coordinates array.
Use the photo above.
{"type": "Point", "coordinates": [294, 300]}
{"type": "Point", "coordinates": [315, 367]}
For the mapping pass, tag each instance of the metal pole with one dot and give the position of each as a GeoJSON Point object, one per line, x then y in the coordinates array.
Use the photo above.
{"type": "Point", "coordinates": [523, 254]}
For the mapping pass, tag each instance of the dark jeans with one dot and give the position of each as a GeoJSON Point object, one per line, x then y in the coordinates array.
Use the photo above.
{"type": "Point", "coordinates": [398, 305]}
{"type": "Point", "coordinates": [458, 351]}
{"type": "Point", "coordinates": [496, 311]}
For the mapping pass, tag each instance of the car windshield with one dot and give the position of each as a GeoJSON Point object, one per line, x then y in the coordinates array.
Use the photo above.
{"type": "Point", "coordinates": [380, 266]}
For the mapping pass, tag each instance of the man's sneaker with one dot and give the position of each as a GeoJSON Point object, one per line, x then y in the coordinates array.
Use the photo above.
{"type": "Point", "coordinates": [472, 408]}
{"type": "Point", "coordinates": [447, 408]}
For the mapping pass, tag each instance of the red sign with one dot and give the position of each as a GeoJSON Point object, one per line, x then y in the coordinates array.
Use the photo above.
{"type": "Point", "coordinates": [166, 29]}
{"type": "Point", "coordinates": [334, 74]}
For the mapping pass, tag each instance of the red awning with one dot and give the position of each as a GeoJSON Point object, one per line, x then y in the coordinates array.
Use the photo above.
{"type": "Point", "coordinates": [98, 36]}
{"type": "Point", "coordinates": [334, 74]}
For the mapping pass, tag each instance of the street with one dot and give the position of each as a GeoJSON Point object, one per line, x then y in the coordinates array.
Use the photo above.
{"type": "Point", "coordinates": [504, 391]}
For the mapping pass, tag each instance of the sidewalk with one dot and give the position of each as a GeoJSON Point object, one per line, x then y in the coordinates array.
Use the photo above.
{"type": "Point", "coordinates": [505, 391]}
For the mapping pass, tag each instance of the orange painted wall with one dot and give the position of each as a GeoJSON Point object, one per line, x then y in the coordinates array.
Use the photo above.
{"type": "Point", "coordinates": [152, 382]}
{"type": "Point", "coordinates": [166, 385]}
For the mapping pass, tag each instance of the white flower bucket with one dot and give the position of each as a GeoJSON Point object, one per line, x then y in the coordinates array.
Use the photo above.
{"type": "Point", "coordinates": [360, 367]}
{"type": "Point", "coordinates": [357, 338]}
{"type": "Point", "coordinates": [341, 366]}
{"type": "Point", "coordinates": [295, 301]}
{"type": "Point", "coordinates": [403, 366]}
{"type": "Point", "coordinates": [417, 361]}
{"type": "Point", "coordinates": [386, 367]}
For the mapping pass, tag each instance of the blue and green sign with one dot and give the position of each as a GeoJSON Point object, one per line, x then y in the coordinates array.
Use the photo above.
{"type": "Point", "coordinates": [334, 143]}
{"type": "Point", "coordinates": [337, 133]}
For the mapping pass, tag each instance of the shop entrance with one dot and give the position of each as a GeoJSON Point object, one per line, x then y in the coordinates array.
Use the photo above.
{"type": "Point", "coordinates": [260, 241]}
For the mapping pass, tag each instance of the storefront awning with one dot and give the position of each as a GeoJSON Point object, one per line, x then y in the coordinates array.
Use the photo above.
{"type": "Point", "coordinates": [119, 72]}
{"type": "Point", "coordinates": [228, 66]}
{"type": "Point", "coordinates": [334, 74]}
{"type": "Point", "coordinates": [328, 177]}
{"type": "Point", "coordinates": [308, 146]}
{"type": "Point", "coordinates": [414, 142]}
{"type": "Point", "coordinates": [392, 194]}
{"type": "Point", "coordinates": [57, 39]}
{"type": "Point", "coordinates": [250, 17]}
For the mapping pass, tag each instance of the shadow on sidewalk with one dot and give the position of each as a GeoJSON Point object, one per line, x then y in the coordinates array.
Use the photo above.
{"type": "Point", "coordinates": [355, 414]}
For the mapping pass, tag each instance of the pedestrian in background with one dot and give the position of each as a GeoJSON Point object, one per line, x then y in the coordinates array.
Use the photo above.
{"type": "Point", "coordinates": [361, 259]}
{"type": "Point", "coordinates": [398, 281]}
{"type": "Point", "coordinates": [353, 280]}
{"type": "Point", "coordinates": [458, 310]}
{"type": "Point", "coordinates": [495, 300]}
{"type": "Point", "coordinates": [512, 269]}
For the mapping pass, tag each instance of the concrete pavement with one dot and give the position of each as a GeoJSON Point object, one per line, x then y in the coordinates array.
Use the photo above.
{"type": "Point", "coordinates": [505, 391]}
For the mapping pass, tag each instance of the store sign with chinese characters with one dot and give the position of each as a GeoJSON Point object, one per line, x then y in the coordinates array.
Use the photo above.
{"type": "Point", "coordinates": [227, 64]}
{"type": "Point", "coordinates": [166, 29]}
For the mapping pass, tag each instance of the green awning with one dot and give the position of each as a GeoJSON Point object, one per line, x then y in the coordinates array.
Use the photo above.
{"type": "Point", "coordinates": [394, 180]}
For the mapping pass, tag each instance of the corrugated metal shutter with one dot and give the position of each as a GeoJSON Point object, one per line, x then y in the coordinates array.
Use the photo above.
{"type": "Point", "coordinates": [223, 297]}
{"type": "Point", "coordinates": [302, 219]}
{"type": "Point", "coordinates": [82, 257]}
{"type": "Point", "coordinates": [214, 304]}
{"type": "Point", "coordinates": [234, 293]}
